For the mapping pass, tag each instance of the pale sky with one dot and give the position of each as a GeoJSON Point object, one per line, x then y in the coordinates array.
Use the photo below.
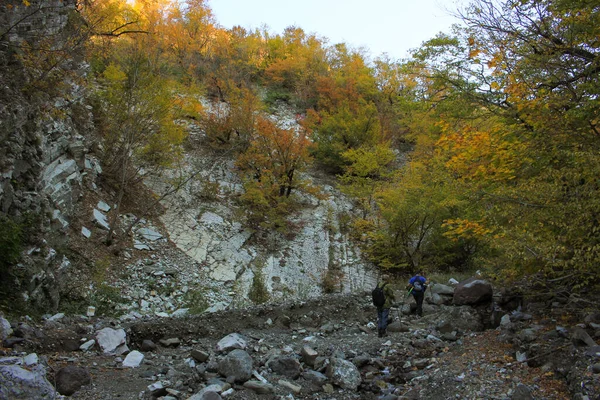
{"type": "Point", "coordinates": [390, 26]}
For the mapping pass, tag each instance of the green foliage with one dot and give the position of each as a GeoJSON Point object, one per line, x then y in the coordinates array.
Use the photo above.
{"type": "Point", "coordinates": [331, 280]}
{"type": "Point", "coordinates": [106, 299]}
{"type": "Point", "coordinates": [195, 301]}
{"type": "Point", "coordinates": [11, 243]}
{"type": "Point", "coordinates": [210, 190]}
{"type": "Point", "coordinates": [258, 293]}
{"type": "Point", "coordinates": [138, 120]}
{"type": "Point", "coordinates": [345, 128]}
{"type": "Point", "coordinates": [276, 95]}
{"type": "Point", "coordinates": [366, 169]}
{"type": "Point", "coordinates": [265, 209]}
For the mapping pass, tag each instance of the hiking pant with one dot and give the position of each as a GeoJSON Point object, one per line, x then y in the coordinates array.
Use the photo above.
{"type": "Point", "coordinates": [419, 296]}
{"type": "Point", "coordinates": [382, 318]}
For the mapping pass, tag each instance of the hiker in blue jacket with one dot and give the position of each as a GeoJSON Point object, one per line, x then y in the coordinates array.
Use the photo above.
{"type": "Point", "coordinates": [417, 286]}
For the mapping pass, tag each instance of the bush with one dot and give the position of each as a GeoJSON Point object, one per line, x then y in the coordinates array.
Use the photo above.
{"type": "Point", "coordinates": [258, 291]}
{"type": "Point", "coordinates": [195, 301]}
{"type": "Point", "coordinates": [11, 243]}
{"type": "Point", "coordinates": [331, 280]}
{"type": "Point", "coordinates": [106, 298]}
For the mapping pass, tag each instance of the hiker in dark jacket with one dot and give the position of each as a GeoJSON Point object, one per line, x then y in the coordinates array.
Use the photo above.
{"type": "Point", "coordinates": [384, 312]}
{"type": "Point", "coordinates": [417, 286]}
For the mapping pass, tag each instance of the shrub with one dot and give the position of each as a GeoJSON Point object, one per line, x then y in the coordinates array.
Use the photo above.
{"type": "Point", "coordinates": [195, 301]}
{"type": "Point", "coordinates": [258, 291]}
{"type": "Point", "coordinates": [331, 280]}
{"type": "Point", "coordinates": [11, 243]}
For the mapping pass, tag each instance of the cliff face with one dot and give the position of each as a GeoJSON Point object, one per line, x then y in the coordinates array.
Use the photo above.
{"type": "Point", "coordinates": [43, 124]}
{"type": "Point", "coordinates": [48, 182]}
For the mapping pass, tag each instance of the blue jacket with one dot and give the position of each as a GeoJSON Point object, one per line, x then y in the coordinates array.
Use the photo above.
{"type": "Point", "coordinates": [422, 279]}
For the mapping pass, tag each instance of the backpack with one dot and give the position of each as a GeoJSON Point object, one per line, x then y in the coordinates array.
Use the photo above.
{"type": "Point", "coordinates": [417, 285]}
{"type": "Point", "coordinates": [378, 296]}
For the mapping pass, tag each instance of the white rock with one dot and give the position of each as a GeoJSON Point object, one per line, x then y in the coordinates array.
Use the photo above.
{"type": "Point", "coordinates": [87, 345]}
{"type": "Point", "coordinates": [102, 206]}
{"type": "Point", "coordinates": [220, 306]}
{"type": "Point", "coordinates": [31, 359]}
{"type": "Point", "coordinates": [5, 328]}
{"type": "Point", "coordinates": [56, 317]}
{"type": "Point", "coordinates": [155, 386]}
{"type": "Point", "coordinates": [228, 392]}
{"type": "Point", "coordinates": [100, 219]}
{"type": "Point", "coordinates": [140, 246]}
{"type": "Point", "coordinates": [110, 339]}
{"type": "Point", "coordinates": [149, 234]}
{"type": "Point", "coordinates": [133, 359]}
{"type": "Point", "coordinates": [182, 312]}
{"type": "Point", "coordinates": [232, 341]}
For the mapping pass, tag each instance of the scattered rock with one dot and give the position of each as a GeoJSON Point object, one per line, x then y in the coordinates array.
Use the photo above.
{"type": "Point", "coordinates": [100, 220]}
{"type": "Point", "coordinates": [22, 384]}
{"type": "Point", "coordinates": [286, 366]}
{"type": "Point", "coordinates": [522, 392]}
{"type": "Point", "coordinates": [581, 337]}
{"type": "Point", "coordinates": [259, 387]}
{"type": "Point", "coordinates": [200, 356]}
{"type": "Point", "coordinates": [236, 365]}
{"type": "Point", "coordinates": [309, 355]}
{"type": "Point", "coordinates": [343, 373]}
{"type": "Point", "coordinates": [170, 342]}
{"type": "Point", "coordinates": [472, 291]}
{"type": "Point", "coordinates": [110, 339]}
{"type": "Point", "coordinates": [148, 345]}
{"type": "Point", "coordinates": [5, 328]}
{"type": "Point", "coordinates": [231, 342]}
{"type": "Point", "coordinates": [133, 359]}
{"type": "Point", "coordinates": [71, 378]}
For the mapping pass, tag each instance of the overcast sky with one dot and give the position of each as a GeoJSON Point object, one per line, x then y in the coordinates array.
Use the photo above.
{"type": "Point", "coordinates": [390, 26]}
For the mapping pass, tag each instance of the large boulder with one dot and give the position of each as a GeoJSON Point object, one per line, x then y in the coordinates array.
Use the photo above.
{"type": "Point", "coordinates": [460, 319]}
{"type": "Point", "coordinates": [473, 291]}
{"type": "Point", "coordinates": [5, 328]}
{"type": "Point", "coordinates": [231, 342]}
{"type": "Point", "coordinates": [236, 365]}
{"type": "Point", "coordinates": [110, 339]}
{"type": "Point", "coordinates": [286, 366]}
{"type": "Point", "coordinates": [71, 378]}
{"type": "Point", "coordinates": [343, 373]}
{"type": "Point", "coordinates": [438, 288]}
{"type": "Point", "coordinates": [21, 384]}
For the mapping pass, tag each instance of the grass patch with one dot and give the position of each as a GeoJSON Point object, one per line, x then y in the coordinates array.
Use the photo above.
{"type": "Point", "coordinates": [195, 301]}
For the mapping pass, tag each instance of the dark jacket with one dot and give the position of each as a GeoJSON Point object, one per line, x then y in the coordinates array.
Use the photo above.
{"type": "Point", "coordinates": [390, 298]}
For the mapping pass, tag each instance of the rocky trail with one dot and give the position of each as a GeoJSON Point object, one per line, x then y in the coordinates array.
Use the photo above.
{"type": "Point", "coordinates": [324, 348]}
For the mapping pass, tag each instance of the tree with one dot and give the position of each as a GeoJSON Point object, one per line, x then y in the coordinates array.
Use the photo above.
{"type": "Point", "coordinates": [516, 95]}
{"type": "Point", "coordinates": [276, 155]}
{"type": "Point", "coordinates": [138, 129]}
{"type": "Point", "coordinates": [347, 126]}
{"type": "Point", "coordinates": [367, 169]}
{"type": "Point", "coordinates": [412, 211]}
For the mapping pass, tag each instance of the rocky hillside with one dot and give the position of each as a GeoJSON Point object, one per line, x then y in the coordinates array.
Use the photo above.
{"type": "Point", "coordinates": [325, 348]}
{"type": "Point", "coordinates": [189, 302]}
